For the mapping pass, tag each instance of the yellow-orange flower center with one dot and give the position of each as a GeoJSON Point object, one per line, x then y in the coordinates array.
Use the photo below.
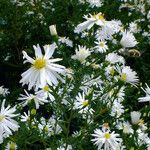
{"type": "Point", "coordinates": [46, 88]}
{"type": "Point", "coordinates": [85, 103]}
{"type": "Point", "coordinates": [107, 135]}
{"type": "Point", "coordinates": [123, 77]}
{"type": "Point", "coordinates": [39, 63]}
{"type": "Point", "coordinates": [12, 146]}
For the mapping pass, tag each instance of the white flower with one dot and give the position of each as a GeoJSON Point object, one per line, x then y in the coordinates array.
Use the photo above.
{"type": "Point", "coordinates": [117, 109]}
{"type": "Point", "coordinates": [114, 58]}
{"type": "Point", "coordinates": [82, 104]}
{"type": "Point", "coordinates": [43, 70]}
{"type": "Point", "coordinates": [96, 3]}
{"type": "Point", "coordinates": [109, 141]}
{"type": "Point", "coordinates": [4, 91]}
{"type": "Point", "coordinates": [53, 30]}
{"type": "Point", "coordinates": [45, 92]}
{"type": "Point", "coordinates": [66, 41]}
{"type": "Point", "coordinates": [128, 75]}
{"type": "Point", "coordinates": [11, 146]}
{"type": "Point", "coordinates": [7, 124]}
{"type": "Point", "coordinates": [81, 54]}
{"type": "Point", "coordinates": [135, 117]}
{"type": "Point", "coordinates": [25, 117]}
{"type": "Point", "coordinates": [147, 97]}
{"type": "Point", "coordinates": [97, 19]}
{"type": "Point", "coordinates": [38, 99]}
{"type": "Point", "coordinates": [107, 31]}
{"type": "Point", "coordinates": [45, 127]}
{"type": "Point", "coordinates": [128, 40]}
{"type": "Point", "coordinates": [125, 127]}
{"type": "Point", "coordinates": [101, 46]}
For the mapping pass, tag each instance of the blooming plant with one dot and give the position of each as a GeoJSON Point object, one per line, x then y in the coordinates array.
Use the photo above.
{"type": "Point", "coordinates": [81, 93]}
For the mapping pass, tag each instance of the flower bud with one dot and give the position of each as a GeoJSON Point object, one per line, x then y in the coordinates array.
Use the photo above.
{"type": "Point", "coordinates": [135, 117]}
{"type": "Point", "coordinates": [53, 30]}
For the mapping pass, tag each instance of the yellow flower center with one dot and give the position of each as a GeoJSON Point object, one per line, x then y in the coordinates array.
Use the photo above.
{"type": "Point", "coordinates": [12, 146]}
{"type": "Point", "coordinates": [46, 129]}
{"type": "Point", "coordinates": [1, 117]}
{"type": "Point", "coordinates": [99, 16]}
{"type": "Point", "coordinates": [46, 88]}
{"type": "Point", "coordinates": [101, 44]}
{"type": "Point", "coordinates": [124, 77]}
{"type": "Point", "coordinates": [141, 122]}
{"type": "Point", "coordinates": [39, 63]}
{"type": "Point", "coordinates": [107, 136]}
{"type": "Point", "coordinates": [132, 148]}
{"type": "Point", "coordinates": [85, 103]}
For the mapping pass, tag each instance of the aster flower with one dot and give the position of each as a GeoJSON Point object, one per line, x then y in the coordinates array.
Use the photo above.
{"type": "Point", "coordinates": [114, 58]}
{"type": "Point", "coordinates": [66, 41]}
{"type": "Point", "coordinates": [38, 99]}
{"type": "Point", "coordinates": [128, 40]}
{"type": "Point", "coordinates": [11, 146]}
{"type": "Point", "coordinates": [82, 104]}
{"type": "Point", "coordinates": [97, 19]}
{"type": "Point", "coordinates": [43, 70]}
{"type": "Point", "coordinates": [107, 31]}
{"type": "Point", "coordinates": [110, 141]}
{"type": "Point", "coordinates": [4, 91]}
{"type": "Point", "coordinates": [7, 124]}
{"type": "Point", "coordinates": [95, 3]}
{"type": "Point", "coordinates": [147, 97]}
{"type": "Point", "coordinates": [135, 117]}
{"type": "Point", "coordinates": [125, 127]}
{"type": "Point", "coordinates": [128, 75]}
{"type": "Point", "coordinates": [81, 54]}
{"type": "Point", "coordinates": [25, 117]}
{"type": "Point", "coordinates": [101, 46]}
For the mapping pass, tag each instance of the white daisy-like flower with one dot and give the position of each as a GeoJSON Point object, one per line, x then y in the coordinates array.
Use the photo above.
{"type": "Point", "coordinates": [25, 117]}
{"type": "Point", "coordinates": [66, 41]}
{"type": "Point", "coordinates": [147, 97]}
{"type": "Point", "coordinates": [7, 124]}
{"type": "Point", "coordinates": [117, 109]}
{"type": "Point", "coordinates": [45, 127]}
{"type": "Point", "coordinates": [4, 91]}
{"type": "Point", "coordinates": [11, 146]}
{"type": "Point", "coordinates": [128, 40]}
{"type": "Point", "coordinates": [81, 54]}
{"type": "Point", "coordinates": [46, 92]}
{"type": "Point", "coordinates": [101, 46]}
{"type": "Point", "coordinates": [128, 75]}
{"type": "Point", "coordinates": [97, 19]}
{"type": "Point", "coordinates": [43, 70]}
{"type": "Point", "coordinates": [114, 58]}
{"type": "Point", "coordinates": [125, 127]}
{"type": "Point", "coordinates": [82, 104]}
{"type": "Point", "coordinates": [107, 31]}
{"type": "Point", "coordinates": [38, 99]}
{"type": "Point", "coordinates": [109, 141]}
{"type": "Point", "coordinates": [135, 117]}
{"type": "Point", "coordinates": [95, 3]}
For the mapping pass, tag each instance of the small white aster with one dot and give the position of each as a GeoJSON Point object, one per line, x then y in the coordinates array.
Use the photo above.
{"type": "Point", "coordinates": [38, 99]}
{"type": "Point", "coordinates": [81, 54]}
{"type": "Point", "coordinates": [109, 141]}
{"type": "Point", "coordinates": [97, 19]}
{"type": "Point", "coordinates": [128, 75]}
{"type": "Point", "coordinates": [128, 40]}
{"type": "Point", "coordinates": [11, 146]}
{"type": "Point", "coordinates": [147, 97]}
{"type": "Point", "coordinates": [101, 46]}
{"type": "Point", "coordinates": [7, 124]}
{"type": "Point", "coordinates": [43, 70]}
